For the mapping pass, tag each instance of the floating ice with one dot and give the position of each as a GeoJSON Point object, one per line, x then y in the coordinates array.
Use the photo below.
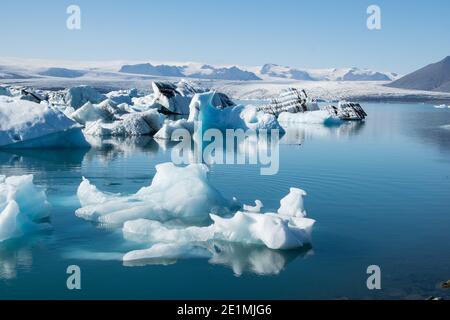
{"type": "Point", "coordinates": [130, 124]}
{"type": "Point", "coordinates": [25, 124]}
{"type": "Point", "coordinates": [169, 127]}
{"type": "Point", "coordinates": [309, 117]}
{"type": "Point", "coordinates": [441, 106]}
{"type": "Point", "coordinates": [22, 206]}
{"type": "Point", "coordinates": [256, 209]}
{"type": "Point", "coordinates": [289, 229]}
{"type": "Point", "coordinates": [237, 117]}
{"type": "Point", "coordinates": [78, 96]}
{"type": "Point", "coordinates": [175, 193]}
{"type": "Point", "coordinates": [123, 96]}
{"type": "Point", "coordinates": [4, 91]}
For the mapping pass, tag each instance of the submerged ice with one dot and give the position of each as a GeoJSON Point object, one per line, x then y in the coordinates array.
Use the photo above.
{"type": "Point", "coordinates": [22, 207]}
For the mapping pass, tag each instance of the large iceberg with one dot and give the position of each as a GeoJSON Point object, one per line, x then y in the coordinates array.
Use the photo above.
{"type": "Point", "coordinates": [176, 193]}
{"type": "Point", "coordinates": [203, 112]}
{"type": "Point", "coordinates": [22, 207]}
{"type": "Point", "coordinates": [176, 97]}
{"type": "Point", "coordinates": [26, 124]}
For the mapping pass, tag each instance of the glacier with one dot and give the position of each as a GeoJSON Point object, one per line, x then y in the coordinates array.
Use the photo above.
{"type": "Point", "coordinates": [22, 207]}
{"type": "Point", "coordinates": [26, 124]}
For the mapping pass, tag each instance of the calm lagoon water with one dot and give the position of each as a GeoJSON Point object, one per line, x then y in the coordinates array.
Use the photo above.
{"type": "Point", "coordinates": [380, 192]}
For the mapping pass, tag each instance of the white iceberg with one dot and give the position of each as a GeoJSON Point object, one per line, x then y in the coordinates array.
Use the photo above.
{"type": "Point", "coordinates": [123, 96]}
{"type": "Point", "coordinates": [129, 124]}
{"type": "Point", "coordinates": [22, 207]}
{"type": "Point", "coordinates": [78, 96]}
{"type": "Point", "coordinates": [175, 193]}
{"type": "Point", "coordinates": [309, 117]}
{"type": "Point", "coordinates": [289, 229]}
{"type": "Point", "coordinates": [25, 124]}
{"type": "Point", "coordinates": [203, 111]}
{"type": "Point", "coordinates": [206, 115]}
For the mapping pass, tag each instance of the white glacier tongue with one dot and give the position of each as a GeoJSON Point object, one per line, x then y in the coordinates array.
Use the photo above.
{"type": "Point", "coordinates": [22, 206]}
{"type": "Point", "coordinates": [175, 193]}
{"type": "Point", "coordinates": [26, 124]}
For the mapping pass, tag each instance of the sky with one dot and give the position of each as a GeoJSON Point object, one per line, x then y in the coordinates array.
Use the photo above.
{"type": "Point", "coordinates": [297, 33]}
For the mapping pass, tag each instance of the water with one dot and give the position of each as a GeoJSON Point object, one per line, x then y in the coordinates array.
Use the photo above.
{"type": "Point", "coordinates": [379, 192]}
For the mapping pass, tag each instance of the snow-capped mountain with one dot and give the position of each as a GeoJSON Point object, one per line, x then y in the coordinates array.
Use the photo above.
{"type": "Point", "coordinates": [28, 69]}
{"type": "Point", "coordinates": [270, 71]}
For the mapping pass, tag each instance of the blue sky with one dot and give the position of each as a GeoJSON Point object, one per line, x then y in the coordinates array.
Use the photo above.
{"type": "Point", "coordinates": [309, 34]}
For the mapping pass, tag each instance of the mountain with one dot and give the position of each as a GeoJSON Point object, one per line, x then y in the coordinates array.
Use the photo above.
{"type": "Point", "coordinates": [233, 73]}
{"type": "Point", "coordinates": [62, 73]}
{"type": "Point", "coordinates": [433, 77]}
{"type": "Point", "coordinates": [343, 74]}
{"type": "Point", "coordinates": [151, 70]}
{"type": "Point", "coordinates": [276, 71]}
{"type": "Point", "coordinates": [202, 72]}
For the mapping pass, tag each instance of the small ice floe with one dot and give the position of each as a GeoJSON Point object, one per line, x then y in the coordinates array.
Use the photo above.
{"type": "Point", "coordinates": [441, 106]}
{"type": "Point", "coordinates": [254, 209]}
{"type": "Point", "coordinates": [26, 124]}
{"type": "Point", "coordinates": [22, 207]}
{"type": "Point", "coordinates": [175, 193]}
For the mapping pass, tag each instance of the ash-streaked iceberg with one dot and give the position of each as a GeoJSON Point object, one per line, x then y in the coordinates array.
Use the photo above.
{"type": "Point", "coordinates": [22, 207]}
{"type": "Point", "coordinates": [25, 124]}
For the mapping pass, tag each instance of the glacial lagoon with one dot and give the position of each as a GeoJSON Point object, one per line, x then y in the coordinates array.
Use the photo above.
{"type": "Point", "coordinates": [379, 191]}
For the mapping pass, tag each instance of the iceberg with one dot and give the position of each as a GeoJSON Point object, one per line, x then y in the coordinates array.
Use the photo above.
{"type": "Point", "coordinates": [176, 193]}
{"type": "Point", "coordinates": [129, 124]}
{"type": "Point", "coordinates": [311, 117]}
{"type": "Point", "coordinates": [123, 96]}
{"type": "Point", "coordinates": [4, 91]}
{"type": "Point", "coordinates": [203, 112]}
{"type": "Point", "coordinates": [176, 98]}
{"type": "Point", "coordinates": [78, 96]}
{"type": "Point", "coordinates": [285, 230]}
{"type": "Point", "coordinates": [22, 207]}
{"type": "Point", "coordinates": [25, 124]}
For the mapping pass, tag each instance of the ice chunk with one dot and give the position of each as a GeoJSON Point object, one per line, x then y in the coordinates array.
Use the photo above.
{"type": "Point", "coordinates": [309, 117]}
{"type": "Point", "coordinates": [89, 113]}
{"type": "Point", "coordinates": [22, 206]}
{"type": "Point", "coordinates": [175, 193]}
{"type": "Point", "coordinates": [25, 124]}
{"type": "Point", "coordinates": [237, 117]}
{"type": "Point", "coordinates": [130, 124]}
{"type": "Point", "coordinates": [167, 253]}
{"type": "Point", "coordinates": [78, 96]}
{"type": "Point", "coordinates": [256, 209]}
{"type": "Point", "coordinates": [292, 204]}
{"type": "Point", "coordinates": [169, 127]}
{"type": "Point", "coordinates": [123, 96]}
{"type": "Point", "coordinates": [288, 229]}
{"type": "Point", "coordinates": [4, 91]}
